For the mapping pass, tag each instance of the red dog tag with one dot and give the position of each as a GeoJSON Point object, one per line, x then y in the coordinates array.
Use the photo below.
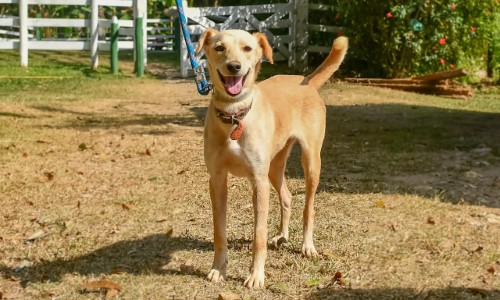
{"type": "Point", "coordinates": [237, 132]}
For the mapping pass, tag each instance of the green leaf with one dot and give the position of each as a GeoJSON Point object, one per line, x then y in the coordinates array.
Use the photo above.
{"type": "Point", "coordinates": [312, 282]}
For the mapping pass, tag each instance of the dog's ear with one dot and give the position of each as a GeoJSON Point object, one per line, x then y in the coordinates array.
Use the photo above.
{"type": "Point", "coordinates": [267, 50]}
{"type": "Point", "coordinates": [205, 39]}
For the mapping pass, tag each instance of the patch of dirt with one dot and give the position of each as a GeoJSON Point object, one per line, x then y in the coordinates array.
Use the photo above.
{"type": "Point", "coordinates": [112, 186]}
{"type": "Point", "coordinates": [464, 176]}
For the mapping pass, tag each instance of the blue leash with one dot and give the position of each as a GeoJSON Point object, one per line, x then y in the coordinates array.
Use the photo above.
{"type": "Point", "coordinates": [199, 73]}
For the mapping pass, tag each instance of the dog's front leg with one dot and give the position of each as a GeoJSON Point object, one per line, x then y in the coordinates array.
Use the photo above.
{"type": "Point", "coordinates": [218, 195]}
{"type": "Point", "coordinates": [259, 247]}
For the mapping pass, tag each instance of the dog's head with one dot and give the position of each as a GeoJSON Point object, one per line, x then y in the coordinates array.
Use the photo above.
{"type": "Point", "coordinates": [234, 58]}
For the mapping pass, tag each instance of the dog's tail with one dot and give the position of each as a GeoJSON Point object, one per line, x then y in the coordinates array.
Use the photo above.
{"type": "Point", "coordinates": [330, 65]}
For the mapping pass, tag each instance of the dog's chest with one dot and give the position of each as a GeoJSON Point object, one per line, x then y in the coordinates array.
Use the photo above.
{"type": "Point", "coordinates": [239, 160]}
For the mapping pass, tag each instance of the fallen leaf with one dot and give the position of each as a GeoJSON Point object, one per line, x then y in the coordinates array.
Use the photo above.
{"type": "Point", "coordinates": [431, 221]}
{"type": "Point", "coordinates": [82, 147]}
{"type": "Point", "coordinates": [25, 154]}
{"type": "Point", "coordinates": [147, 152]}
{"type": "Point", "coordinates": [312, 282]}
{"type": "Point", "coordinates": [279, 288]}
{"type": "Point", "coordinates": [100, 284]}
{"type": "Point", "coordinates": [228, 296]}
{"type": "Point", "coordinates": [118, 270]}
{"type": "Point", "coordinates": [78, 204]}
{"type": "Point", "coordinates": [170, 232]}
{"type": "Point", "coordinates": [338, 278]}
{"type": "Point", "coordinates": [42, 142]}
{"type": "Point", "coordinates": [37, 235]}
{"type": "Point", "coordinates": [29, 202]}
{"type": "Point", "coordinates": [187, 267]}
{"type": "Point", "coordinates": [380, 203]}
{"type": "Point", "coordinates": [112, 293]}
{"type": "Point", "coordinates": [491, 270]}
{"type": "Point", "coordinates": [49, 175]}
{"type": "Point", "coordinates": [126, 206]}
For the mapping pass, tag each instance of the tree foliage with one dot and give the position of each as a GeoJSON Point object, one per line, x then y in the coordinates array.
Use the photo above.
{"type": "Point", "coordinates": [398, 38]}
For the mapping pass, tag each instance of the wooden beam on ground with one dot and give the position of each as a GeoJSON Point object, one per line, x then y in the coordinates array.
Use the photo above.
{"type": "Point", "coordinates": [442, 75]}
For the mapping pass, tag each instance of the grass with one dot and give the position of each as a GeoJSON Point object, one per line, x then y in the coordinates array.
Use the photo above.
{"type": "Point", "coordinates": [109, 171]}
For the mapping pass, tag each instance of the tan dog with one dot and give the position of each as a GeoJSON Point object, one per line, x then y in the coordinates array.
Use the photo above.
{"type": "Point", "coordinates": [249, 131]}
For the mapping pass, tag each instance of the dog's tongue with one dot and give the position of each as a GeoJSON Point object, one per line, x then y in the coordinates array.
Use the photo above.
{"type": "Point", "coordinates": [234, 84]}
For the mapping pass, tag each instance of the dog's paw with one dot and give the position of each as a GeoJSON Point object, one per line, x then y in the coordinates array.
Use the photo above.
{"type": "Point", "coordinates": [215, 275]}
{"type": "Point", "coordinates": [255, 280]}
{"type": "Point", "coordinates": [309, 251]}
{"type": "Point", "coordinates": [277, 241]}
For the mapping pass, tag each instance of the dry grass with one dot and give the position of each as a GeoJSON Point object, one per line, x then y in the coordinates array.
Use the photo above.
{"type": "Point", "coordinates": [115, 180]}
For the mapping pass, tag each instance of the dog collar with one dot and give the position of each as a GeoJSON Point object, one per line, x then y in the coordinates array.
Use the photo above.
{"type": "Point", "coordinates": [235, 119]}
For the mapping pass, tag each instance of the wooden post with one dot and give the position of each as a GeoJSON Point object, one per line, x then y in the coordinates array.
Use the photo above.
{"type": "Point", "coordinates": [23, 32]}
{"type": "Point", "coordinates": [185, 63]}
{"type": "Point", "coordinates": [114, 45]}
{"type": "Point", "coordinates": [94, 34]}
{"type": "Point", "coordinates": [300, 34]}
{"type": "Point", "coordinates": [38, 30]}
{"type": "Point", "coordinates": [141, 11]}
{"type": "Point", "coordinates": [138, 45]}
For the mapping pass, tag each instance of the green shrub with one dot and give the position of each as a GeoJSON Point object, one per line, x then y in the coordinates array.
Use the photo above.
{"type": "Point", "coordinates": [399, 38]}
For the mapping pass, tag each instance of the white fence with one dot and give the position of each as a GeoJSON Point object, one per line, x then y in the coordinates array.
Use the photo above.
{"type": "Point", "coordinates": [286, 26]}
{"type": "Point", "coordinates": [25, 40]}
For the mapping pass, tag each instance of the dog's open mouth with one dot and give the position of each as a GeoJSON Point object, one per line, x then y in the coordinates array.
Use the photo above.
{"type": "Point", "coordinates": [233, 84]}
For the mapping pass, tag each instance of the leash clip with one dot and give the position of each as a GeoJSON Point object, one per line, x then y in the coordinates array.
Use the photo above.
{"type": "Point", "coordinates": [201, 81]}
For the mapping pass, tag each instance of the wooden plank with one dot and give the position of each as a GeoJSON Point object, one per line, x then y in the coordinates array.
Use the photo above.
{"type": "Point", "coordinates": [443, 75]}
{"type": "Point", "coordinates": [9, 22]}
{"type": "Point", "coordinates": [425, 87]}
{"type": "Point", "coordinates": [59, 45]}
{"type": "Point", "coordinates": [384, 81]}
{"type": "Point", "coordinates": [9, 44]}
{"type": "Point", "coordinates": [50, 22]}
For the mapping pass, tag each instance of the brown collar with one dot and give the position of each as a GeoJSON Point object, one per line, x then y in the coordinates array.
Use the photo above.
{"type": "Point", "coordinates": [235, 119]}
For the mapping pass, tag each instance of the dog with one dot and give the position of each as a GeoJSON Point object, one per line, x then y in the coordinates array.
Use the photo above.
{"type": "Point", "coordinates": [250, 129]}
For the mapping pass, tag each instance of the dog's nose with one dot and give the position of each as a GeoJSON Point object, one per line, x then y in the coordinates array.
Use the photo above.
{"type": "Point", "coordinates": [234, 66]}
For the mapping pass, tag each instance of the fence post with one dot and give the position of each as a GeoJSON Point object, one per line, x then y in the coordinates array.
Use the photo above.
{"type": "Point", "coordinates": [141, 37]}
{"type": "Point", "coordinates": [114, 45]}
{"type": "Point", "coordinates": [23, 32]}
{"type": "Point", "coordinates": [38, 30]}
{"type": "Point", "coordinates": [94, 34]}
{"type": "Point", "coordinates": [139, 49]}
{"type": "Point", "coordinates": [301, 35]}
{"type": "Point", "coordinates": [185, 63]}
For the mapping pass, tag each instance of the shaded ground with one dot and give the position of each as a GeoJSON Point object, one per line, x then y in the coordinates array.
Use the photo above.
{"type": "Point", "coordinates": [113, 177]}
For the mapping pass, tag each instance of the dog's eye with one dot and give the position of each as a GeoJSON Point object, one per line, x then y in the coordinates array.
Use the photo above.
{"type": "Point", "coordinates": [220, 48]}
{"type": "Point", "coordinates": [247, 48]}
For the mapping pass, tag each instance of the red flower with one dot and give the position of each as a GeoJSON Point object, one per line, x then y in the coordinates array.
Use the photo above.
{"type": "Point", "coordinates": [340, 33]}
{"type": "Point", "coordinates": [388, 15]}
{"type": "Point", "coordinates": [453, 6]}
{"type": "Point", "coordinates": [452, 66]}
{"type": "Point", "coordinates": [472, 28]}
{"type": "Point", "coordinates": [443, 61]}
{"type": "Point", "coordinates": [442, 41]}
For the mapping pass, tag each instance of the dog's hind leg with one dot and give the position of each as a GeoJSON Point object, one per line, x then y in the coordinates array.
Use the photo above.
{"type": "Point", "coordinates": [277, 178]}
{"type": "Point", "coordinates": [311, 162]}
{"type": "Point", "coordinates": [218, 195]}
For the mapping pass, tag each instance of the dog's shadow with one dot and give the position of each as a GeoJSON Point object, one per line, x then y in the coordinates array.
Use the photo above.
{"type": "Point", "coordinates": [148, 255]}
